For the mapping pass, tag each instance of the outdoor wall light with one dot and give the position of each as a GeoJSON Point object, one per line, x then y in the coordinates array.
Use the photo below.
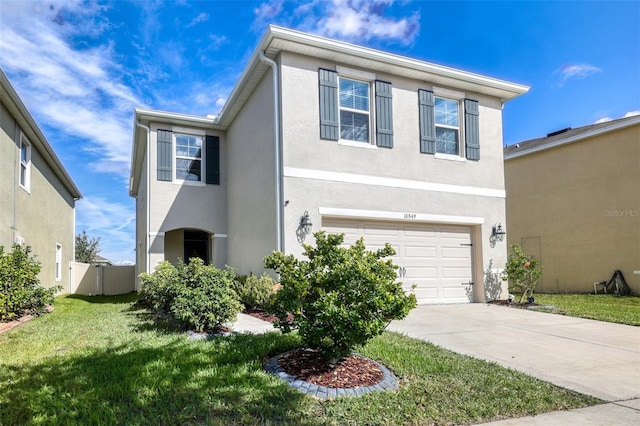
{"type": "Point", "coordinates": [497, 233]}
{"type": "Point", "coordinates": [305, 226]}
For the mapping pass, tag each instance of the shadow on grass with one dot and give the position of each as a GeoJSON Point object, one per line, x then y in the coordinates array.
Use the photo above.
{"type": "Point", "coordinates": [121, 298]}
{"type": "Point", "coordinates": [180, 382]}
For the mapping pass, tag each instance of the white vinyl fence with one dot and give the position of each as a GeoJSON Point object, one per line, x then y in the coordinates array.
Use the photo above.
{"type": "Point", "coordinates": [91, 280]}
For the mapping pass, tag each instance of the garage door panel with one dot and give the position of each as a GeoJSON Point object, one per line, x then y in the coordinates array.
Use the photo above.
{"type": "Point", "coordinates": [462, 273]}
{"type": "Point", "coordinates": [456, 253]}
{"type": "Point", "coordinates": [421, 273]}
{"type": "Point", "coordinates": [423, 252]}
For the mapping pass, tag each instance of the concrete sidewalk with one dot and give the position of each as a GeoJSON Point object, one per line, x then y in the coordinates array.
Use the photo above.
{"type": "Point", "coordinates": [592, 357]}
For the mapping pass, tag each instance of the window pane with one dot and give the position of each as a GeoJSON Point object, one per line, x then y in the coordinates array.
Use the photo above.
{"type": "Point", "coordinates": [23, 153]}
{"type": "Point", "coordinates": [446, 112]}
{"type": "Point", "coordinates": [446, 141]}
{"type": "Point", "coordinates": [188, 170]}
{"type": "Point", "coordinates": [188, 146]}
{"type": "Point", "coordinates": [354, 126]}
{"type": "Point", "coordinates": [354, 94]}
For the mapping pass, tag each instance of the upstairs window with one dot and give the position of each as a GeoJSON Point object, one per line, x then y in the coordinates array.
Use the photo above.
{"type": "Point", "coordinates": [351, 112]}
{"type": "Point", "coordinates": [189, 158]}
{"type": "Point", "coordinates": [354, 110]}
{"type": "Point", "coordinates": [188, 149]}
{"type": "Point", "coordinates": [25, 163]}
{"type": "Point", "coordinates": [447, 126]}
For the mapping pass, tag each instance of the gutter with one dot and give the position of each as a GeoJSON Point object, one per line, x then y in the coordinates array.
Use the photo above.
{"type": "Point", "coordinates": [147, 200]}
{"type": "Point", "coordinates": [277, 149]}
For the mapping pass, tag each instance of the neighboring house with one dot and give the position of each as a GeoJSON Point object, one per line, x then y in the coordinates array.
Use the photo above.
{"type": "Point", "coordinates": [573, 202]}
{"type": "Point", "coordinates": [37, 196]}
{"type": "Point", "coordinates": [365, 142]}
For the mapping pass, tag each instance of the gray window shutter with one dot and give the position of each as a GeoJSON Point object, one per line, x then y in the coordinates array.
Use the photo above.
{"type": "Point", "coordinates": [212, 152]}
{"type": "Point", "coordinates": [165, 157]}
{"type": "Point", "coordinates": [384, 115]}
{"type": "Point", "coordinates": [328, 104]}
{"type": "Point", "coordinates": [471, 133]}
{"type": "Point", "coordinates": [426, 111]}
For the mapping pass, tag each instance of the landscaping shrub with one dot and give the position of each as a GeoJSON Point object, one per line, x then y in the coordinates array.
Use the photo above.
{"type": "Point", "coordinates": [254, 292]}
{"type": "Point", "coordinates": [340, 298]}
{"type": "Point", "coordinates": [199, 297]}
{"type": "Point", "coordinates": [522, 272]}
{"type": "Point", "coordinates": [20, 290]}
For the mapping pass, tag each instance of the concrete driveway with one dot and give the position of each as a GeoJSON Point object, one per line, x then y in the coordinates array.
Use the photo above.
{"type": "Point", "coordinates": [592, 357]}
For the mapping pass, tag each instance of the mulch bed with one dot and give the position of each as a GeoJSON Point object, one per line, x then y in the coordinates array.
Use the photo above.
{"type": "Point", "coordinates": [307, 365]}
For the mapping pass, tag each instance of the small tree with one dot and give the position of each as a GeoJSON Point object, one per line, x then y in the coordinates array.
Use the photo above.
{"type": "Point", "coordinates": [20, 289]}
{"type": "Point", "coordinates": [522, 272]}
{"type": "Point", "coordinates": [340, 298]}
{"type": "Point", "coordinates": [87, 248]}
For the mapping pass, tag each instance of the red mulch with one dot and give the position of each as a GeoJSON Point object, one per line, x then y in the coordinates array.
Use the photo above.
{"type": "Point", "coordinates": [307, 364]}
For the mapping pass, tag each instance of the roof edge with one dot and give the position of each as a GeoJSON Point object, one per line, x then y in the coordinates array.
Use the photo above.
{"type": "Point", "coordinates": [41, 141]}
{"type": "Point", "coordinates": [616, 125]}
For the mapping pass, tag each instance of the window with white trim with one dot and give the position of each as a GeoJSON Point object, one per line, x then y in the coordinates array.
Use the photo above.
{"type": "Point", "coordinates": [447, 120]}
{"type": "Point", "coordinates": [188, 157]}
{"type": "Point", "coordinates": [58, 262]}
{"type": "Point", "coordinates": [25, 163]}
{"type": "Point", "coordinates": [354, 110]}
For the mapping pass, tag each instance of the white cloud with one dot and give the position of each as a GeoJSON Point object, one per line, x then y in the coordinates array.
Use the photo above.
{"type": "Point", "coordinates": [626, 115]}
{"type": "Point", "coordinates": [202, 17]}
{"type": "Point", "coordinates": [578, 71]}
{"type": "Point", "coordinates": [78, 92]}
{"type": "Point", "coordinates": [355, 21]}
{"type": "Point", "coordinates": [358, 20]}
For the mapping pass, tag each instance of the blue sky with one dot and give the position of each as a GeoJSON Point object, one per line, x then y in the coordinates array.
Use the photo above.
{"type": "Point", "coordinates": [82, 66]}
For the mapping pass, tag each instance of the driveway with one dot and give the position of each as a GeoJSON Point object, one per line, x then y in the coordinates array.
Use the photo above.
{"type": "Point", "coordinates": [592, 357]}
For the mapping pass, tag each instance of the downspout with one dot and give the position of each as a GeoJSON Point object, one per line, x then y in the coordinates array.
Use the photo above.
{"type": "Point", "coordinates": [277, 149]}
{"type": "Point", "coordinates": [147, 200]}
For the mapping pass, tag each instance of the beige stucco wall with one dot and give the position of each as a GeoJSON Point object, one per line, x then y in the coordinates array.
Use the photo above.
{"type": "Point", "coordinates": [44, 216]}
{"type": "Point", "coordinates": [141, 225]}
{"type": "Point", "coordinates": [577, 206]}
{"type": "Point", "coordinates": [477, 188]}
{"type": "Point", "coordinates": [251, 165]}
{"type": "Point", "coordinates": [8, 151]}
{"type": "Point", "coordinates": [184, 206]}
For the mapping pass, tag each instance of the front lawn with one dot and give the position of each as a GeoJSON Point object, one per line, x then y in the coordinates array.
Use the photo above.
{"type": "Point", "coordinates": [101, 360]}
{"type": "Point", "coordinates": [601, 307]}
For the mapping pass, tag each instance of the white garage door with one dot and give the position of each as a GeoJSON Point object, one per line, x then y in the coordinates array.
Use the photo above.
{"type": "Point", "coordinates": [436, 258]}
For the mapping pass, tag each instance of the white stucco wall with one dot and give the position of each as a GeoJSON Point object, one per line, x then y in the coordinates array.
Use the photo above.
{"type": "Point", "coordinates": [251, 165]}
{"type": "Point", "coordinates": [176, 205]}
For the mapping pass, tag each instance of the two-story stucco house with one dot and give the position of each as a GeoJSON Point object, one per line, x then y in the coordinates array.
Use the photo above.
{"type": "Point", "coordinates": [342, 137]}
{"type": "Point", "coordinates": [37, 195]}
{"type": "Point", "coordinates": [573, 202]}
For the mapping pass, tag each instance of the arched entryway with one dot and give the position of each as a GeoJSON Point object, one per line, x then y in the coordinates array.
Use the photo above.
{"type": "Point", "coordinates": [185, 244]}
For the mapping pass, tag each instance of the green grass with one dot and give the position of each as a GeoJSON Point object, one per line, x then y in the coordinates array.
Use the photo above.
{"type": "Point", "coordinates": [601, 307]}
{"type": "Point", "coordinates": [101, 360]}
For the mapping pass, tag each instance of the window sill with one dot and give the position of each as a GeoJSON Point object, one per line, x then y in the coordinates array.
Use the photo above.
{"type": "Point", "coordinates": [188, 183]}
{"type": "Point", "coordinates": [25, 189]}
{"type": "Point", "coordinates": [365, 145]}
{"type": "Point", "coordinates": [450, 157]}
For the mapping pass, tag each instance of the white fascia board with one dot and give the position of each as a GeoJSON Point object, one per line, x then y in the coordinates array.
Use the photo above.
{"type": "Point", "coordinates": [322, 175]}
{"type": "Point", "coordinates": [149, 115]}
{"type": "Point", "coordinates": [399, 216]}
{"type": "Point", "coordinates": [572, 139]}
{"type": "Point", "coordinates": [394, 60]}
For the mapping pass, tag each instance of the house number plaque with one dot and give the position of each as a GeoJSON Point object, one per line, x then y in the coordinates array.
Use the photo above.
{"type": "Point", "coordinates": [410, 215]}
